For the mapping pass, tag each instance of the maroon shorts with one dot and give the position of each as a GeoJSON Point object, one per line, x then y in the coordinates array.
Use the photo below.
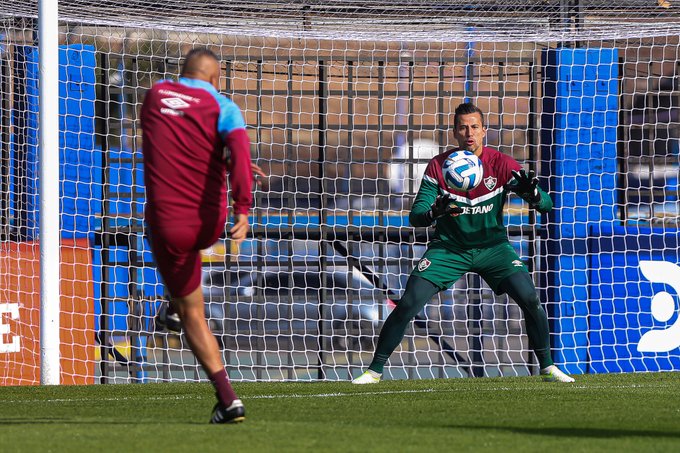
{"type": "Point", "coordinates": [177, 252]}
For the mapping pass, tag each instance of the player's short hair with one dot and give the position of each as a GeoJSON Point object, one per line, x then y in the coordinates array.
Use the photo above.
{"type": "Point", "coordinates": [194, 56]}
{"type": "Point", "coordinates": [467, 108]}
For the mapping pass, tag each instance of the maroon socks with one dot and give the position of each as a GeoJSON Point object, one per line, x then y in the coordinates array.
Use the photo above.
{"type": "Point", "coordinates": [225, 394]}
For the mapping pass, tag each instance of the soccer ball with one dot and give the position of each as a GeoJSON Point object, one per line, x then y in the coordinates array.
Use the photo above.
{"type": "Point", "coordinates": [462, 170]}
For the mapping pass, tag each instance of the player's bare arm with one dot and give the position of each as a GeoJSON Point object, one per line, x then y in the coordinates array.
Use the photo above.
{"type": "Point", "coordinates": [239, 231]}
{"type": "Point", "coordinates": [258, 173]}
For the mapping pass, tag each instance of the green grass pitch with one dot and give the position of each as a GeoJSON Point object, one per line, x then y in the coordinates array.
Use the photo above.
{"type": "Point", "coordinates": [615, 412]}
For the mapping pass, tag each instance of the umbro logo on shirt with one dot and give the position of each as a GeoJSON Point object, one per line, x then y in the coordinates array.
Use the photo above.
{"type": "Point", "coordinates": [175, 103]}
{"type": "Point", "coordinates": [174, 106]}
{"type": "Point", "coordinates": [517, 263]}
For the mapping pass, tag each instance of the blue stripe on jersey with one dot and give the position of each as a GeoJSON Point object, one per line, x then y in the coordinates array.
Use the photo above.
{"type": "Point", "coordinates": [230, 114]}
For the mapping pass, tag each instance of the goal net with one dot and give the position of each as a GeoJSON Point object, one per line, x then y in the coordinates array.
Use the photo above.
{"type": "Point", "coordinates": [345, 104]}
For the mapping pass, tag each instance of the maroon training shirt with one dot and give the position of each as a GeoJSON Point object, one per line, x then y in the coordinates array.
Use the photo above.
{"type": "Point", "coordinates": [186, 125]}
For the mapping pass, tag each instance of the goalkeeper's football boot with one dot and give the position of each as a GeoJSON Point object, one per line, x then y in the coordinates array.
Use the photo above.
{"type": "Point", "coordinates": [554, 374]}
{"type": "Point", "coordinates": [368, 377]}
{"type": "Point", "coordinates": [167, 319]}
{"type": "Point", "coordinates": [235, 413]}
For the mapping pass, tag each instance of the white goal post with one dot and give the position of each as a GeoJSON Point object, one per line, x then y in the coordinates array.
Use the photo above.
{"type": "Point", "coordinates": [48, 133]}
{"type": "Point", "coordinates": [345, 105]}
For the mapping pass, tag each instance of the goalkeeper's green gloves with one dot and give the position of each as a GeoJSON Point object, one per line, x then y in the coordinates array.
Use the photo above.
{"type": "Point", "coordinates": [442, 206]}
{"type": "Point", "coordinates": [525, 186]}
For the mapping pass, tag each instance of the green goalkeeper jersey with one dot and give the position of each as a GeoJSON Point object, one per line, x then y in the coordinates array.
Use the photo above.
{"type": "Point", "coordinates": [481, 223]}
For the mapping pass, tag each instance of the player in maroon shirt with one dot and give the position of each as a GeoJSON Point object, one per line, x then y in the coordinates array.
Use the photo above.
{"type": "Point", "coordinates": [186, 125]}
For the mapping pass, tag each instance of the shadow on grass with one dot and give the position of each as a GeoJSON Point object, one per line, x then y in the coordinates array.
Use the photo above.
{"type": "Point", "coordinates": [598, 433]}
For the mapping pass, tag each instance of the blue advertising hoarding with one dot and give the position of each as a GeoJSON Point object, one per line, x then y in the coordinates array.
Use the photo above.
{"type": "Point", "coordinates": [633, 289]}
{"type": "Point", "coordinates": [80, 161]}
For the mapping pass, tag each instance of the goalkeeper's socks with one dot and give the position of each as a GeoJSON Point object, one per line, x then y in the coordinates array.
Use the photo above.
{"type": "Point", "coordinates": [379, 360]}
{"type": "Point", "coordinates": [544, 357]}
{"type": "Point", "coordinates": [225, 394]}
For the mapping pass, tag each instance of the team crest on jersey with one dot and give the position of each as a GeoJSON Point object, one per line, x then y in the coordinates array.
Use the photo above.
{"type": "Point", "coordinates": [424, 264]}
{"type": "Point", "coordinates": [490, 182]}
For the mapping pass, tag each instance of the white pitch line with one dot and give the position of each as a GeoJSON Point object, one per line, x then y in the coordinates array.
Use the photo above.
{"type": "Point", "coordinates": [459, 390]}
{"type": "Point", "coordinates": [253, 397]}
{"type": "Point", "coordinates": [338, 394]}
{"type": "Point", "coordinates": [121, 398]}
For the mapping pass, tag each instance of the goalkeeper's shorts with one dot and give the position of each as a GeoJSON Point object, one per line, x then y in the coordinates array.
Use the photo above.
{"type": "Point", "coordinates": [443, 267]}
{"type": "Point", "coordinates": [177, 252]}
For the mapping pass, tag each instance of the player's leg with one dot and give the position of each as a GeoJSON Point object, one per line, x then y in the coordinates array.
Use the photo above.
{"type": "Point", "coordinates": [191, 311]}
{"type": "Point", "coordinates": [438, 269]}
{"type": "Point", "coordinates": [167, 318]}
{"type": "Point", "coordinates": [521, 289]}
{"type": "Point", "coordinates": [502, 269]}
{"type": "Point", "coordinates": [179, 263]}
{"type": "Point", "coordinates": [418, 293]}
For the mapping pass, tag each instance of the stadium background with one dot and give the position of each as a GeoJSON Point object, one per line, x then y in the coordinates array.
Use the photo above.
{"type": "Point", "coordinates": [344, 127]}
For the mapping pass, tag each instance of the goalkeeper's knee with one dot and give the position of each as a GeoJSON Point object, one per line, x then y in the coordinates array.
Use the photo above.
{"type": "Point", "coordinates": [521, 289]}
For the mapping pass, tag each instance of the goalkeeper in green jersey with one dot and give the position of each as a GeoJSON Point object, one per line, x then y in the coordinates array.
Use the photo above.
{"type": "Point", "coordinates": [470, 237]}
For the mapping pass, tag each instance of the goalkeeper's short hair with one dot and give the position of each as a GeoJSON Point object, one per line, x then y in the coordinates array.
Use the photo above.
{"type": "Point", "coordinates": [467, 108]}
